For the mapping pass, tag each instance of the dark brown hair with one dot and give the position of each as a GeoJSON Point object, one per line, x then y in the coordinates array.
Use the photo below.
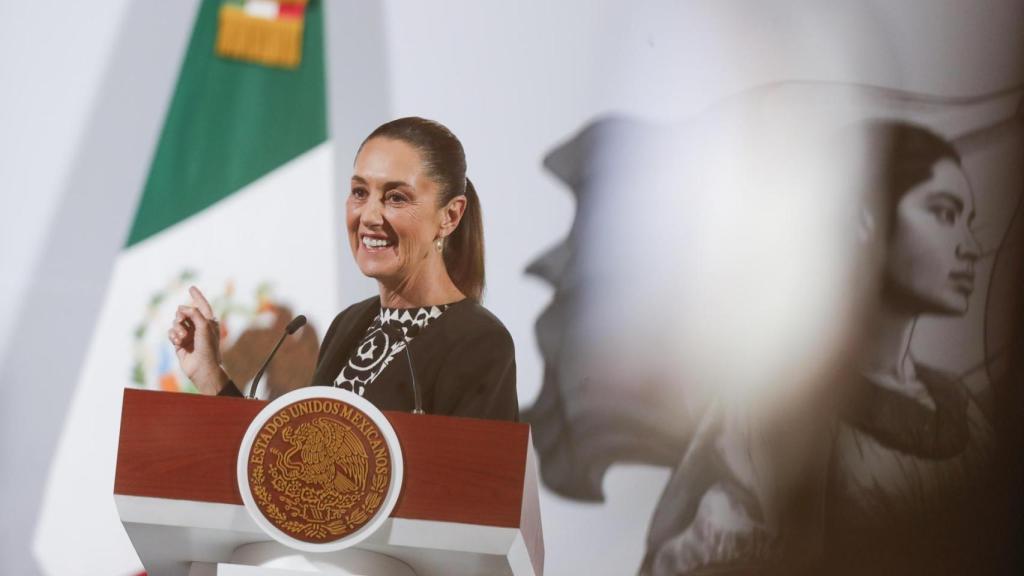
{"type": "Point", "coordinates": [445, 161]}
{"type": "Point", "coordinates": [909, 155]}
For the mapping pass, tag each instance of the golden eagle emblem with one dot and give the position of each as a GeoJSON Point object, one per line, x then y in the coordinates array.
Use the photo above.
{"type": "Point", "coordinates": [316, 469]}
{"type": "Point", "coordinates": [326, 453]}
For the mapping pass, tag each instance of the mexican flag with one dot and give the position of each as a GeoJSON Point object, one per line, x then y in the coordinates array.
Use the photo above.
{"type": "Point", "coordinates": [238, 202]}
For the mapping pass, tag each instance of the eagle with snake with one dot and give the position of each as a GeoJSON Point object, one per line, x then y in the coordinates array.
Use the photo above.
{"type": "Point", "coordinates": [327, 453]}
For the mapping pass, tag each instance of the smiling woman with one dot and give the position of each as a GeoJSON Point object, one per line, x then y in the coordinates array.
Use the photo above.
{"type": "Point", "coordinates": [414, 225]}
{"type": "Point", "coordinates": [410, 197]}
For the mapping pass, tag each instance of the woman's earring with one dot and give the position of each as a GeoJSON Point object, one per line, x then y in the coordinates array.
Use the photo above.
{"type": "Point", "coordinates": [439, 244]}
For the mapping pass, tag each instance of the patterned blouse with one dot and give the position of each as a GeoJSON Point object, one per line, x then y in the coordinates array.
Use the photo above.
{"type": "Point", "coordinates": [388, 334]}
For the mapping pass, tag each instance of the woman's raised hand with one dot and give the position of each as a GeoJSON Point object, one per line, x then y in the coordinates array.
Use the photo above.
{"type": "Point", "coordinates": [195, 335]}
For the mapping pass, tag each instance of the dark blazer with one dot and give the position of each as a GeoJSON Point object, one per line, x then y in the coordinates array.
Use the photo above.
{"type": "Point", "coordinates": [465, 363]}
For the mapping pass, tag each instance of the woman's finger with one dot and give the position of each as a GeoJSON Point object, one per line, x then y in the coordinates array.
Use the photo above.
{"type": "Point", "coordinates": [183, 316]}
{"type": "Point", "coordinates": [188, 312]}
{"type": "Point", "coordinates": [179, 335]}
{"type": "Point", "coordinates": [181, 321]}
{"type": "Point", "coordinates": [194, 316]}
{"type": "Point", "coordinates": [201, 303]}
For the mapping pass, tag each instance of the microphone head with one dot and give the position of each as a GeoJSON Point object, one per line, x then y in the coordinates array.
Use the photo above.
{"type": "Point", "coordinates": [296, 323]}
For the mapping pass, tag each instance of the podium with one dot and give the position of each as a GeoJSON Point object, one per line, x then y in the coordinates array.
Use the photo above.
{"type": "Point", "coordinates": [468, 505]}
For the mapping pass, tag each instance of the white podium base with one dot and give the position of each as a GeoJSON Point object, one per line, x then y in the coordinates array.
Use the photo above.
{"type": "Point", "coordinates": [175, 537]}
{"type": "Point", "coordinates": [274, 559]}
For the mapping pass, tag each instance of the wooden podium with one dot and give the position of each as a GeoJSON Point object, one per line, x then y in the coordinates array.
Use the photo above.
{"type": "Point", "coordinates": [468, 505]}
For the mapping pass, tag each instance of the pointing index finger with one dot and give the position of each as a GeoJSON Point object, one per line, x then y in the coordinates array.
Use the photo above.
{"type": "Point", "coordinates": [201, 303]}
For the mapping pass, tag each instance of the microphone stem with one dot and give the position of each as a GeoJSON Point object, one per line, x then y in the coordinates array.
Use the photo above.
{"type": "Point", "coordinates": [418, 406]}
{"type": "Point", "coordinates": [256, 381]}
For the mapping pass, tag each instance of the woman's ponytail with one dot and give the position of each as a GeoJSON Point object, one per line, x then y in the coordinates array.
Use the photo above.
{"type": "Point", "coordinates": [464, 252]}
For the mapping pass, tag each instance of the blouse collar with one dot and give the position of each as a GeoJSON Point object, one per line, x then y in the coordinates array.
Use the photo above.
{"type": "Point", "coordinates": [902, 423]}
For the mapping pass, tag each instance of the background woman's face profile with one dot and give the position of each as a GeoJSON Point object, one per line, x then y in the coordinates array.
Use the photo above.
{"type": "Point", "coordinates": [391, 212]}
{"type": "Point", "coordinates": [932, 249]}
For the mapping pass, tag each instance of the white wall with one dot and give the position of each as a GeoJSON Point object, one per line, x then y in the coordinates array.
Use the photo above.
{"type": "Point", "coordinates": [50, 87]}
{"type": "Point", "coordinates": [85, 87]}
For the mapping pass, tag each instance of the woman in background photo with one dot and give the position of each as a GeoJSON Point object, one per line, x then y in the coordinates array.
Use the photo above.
{"type": "Point", "coordinates": [910, 449]}
{"type": "Point", "coordinates": [905, 457]}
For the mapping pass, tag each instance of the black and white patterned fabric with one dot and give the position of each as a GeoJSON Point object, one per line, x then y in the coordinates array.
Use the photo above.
{"type": "Point", "coordinates": [388, 335]}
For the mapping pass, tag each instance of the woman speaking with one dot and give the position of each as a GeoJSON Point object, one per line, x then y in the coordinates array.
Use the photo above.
{"type": "Point", "coordinates": [414, 224]}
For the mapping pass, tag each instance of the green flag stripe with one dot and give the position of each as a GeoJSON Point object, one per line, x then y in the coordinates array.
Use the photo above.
{"type": "Point", "coordinates": [230, 123]}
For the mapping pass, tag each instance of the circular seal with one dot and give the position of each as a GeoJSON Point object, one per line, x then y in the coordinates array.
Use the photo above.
{"type": "Point", "coordinates": [319, 469]}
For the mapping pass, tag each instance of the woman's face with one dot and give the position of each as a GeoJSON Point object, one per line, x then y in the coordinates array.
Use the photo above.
{"type": "Point", "coordinates": [932, 250]}
{"type": "Point", "coordinates": [392, 211]}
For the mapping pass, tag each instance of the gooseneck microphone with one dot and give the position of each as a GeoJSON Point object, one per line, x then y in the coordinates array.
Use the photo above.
{"type": "Point", "coordinates": [416, 398]}
{"type": "Point", "coordinates": [296, 323]}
